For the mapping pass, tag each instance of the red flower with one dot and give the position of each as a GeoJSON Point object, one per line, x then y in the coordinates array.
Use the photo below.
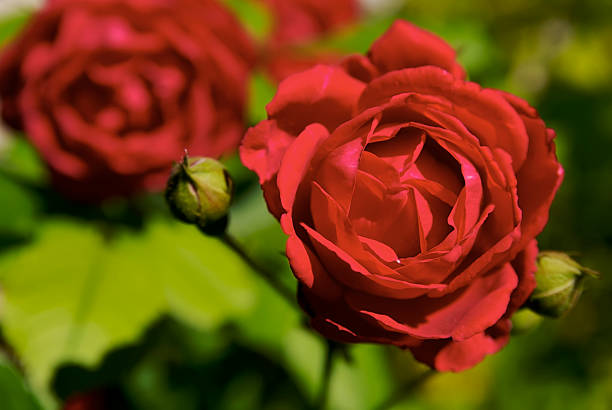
{"type": "Point", "coordinates": [92, 400]}
{"type": "Point", "coordinates": [299, 21]}
{"type": "Point", "coordinates": [411, 198]}
{"type": "Point", "coordinates": [112, 91]}
{"type": "Point", "coordinates": [296, 23]}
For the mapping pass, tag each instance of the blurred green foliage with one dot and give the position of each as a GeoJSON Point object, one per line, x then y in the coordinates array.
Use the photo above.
{"type": "Point", "coordinates": [117, 300]}
{"type": "Point", "coordinates": [78, 291]}
{"type": "Point", "coordinates": [13, 392]}
{"type": "Point", "coordinates": [11, 25]}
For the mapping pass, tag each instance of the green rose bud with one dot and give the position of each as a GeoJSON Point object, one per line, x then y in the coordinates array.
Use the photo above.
{"type": "Point", "coordinates": [559, 284]}
{"type": "Point", "coordinates": [199, 191]}
{"type": "Point", "coordinates": [524, 321]}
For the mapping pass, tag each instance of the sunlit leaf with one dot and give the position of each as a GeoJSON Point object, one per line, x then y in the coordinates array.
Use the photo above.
{"type": "Point", "coordinates": [76, 293]}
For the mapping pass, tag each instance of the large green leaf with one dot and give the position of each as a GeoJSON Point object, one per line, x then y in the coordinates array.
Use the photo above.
{"type": "Point", "coordinates": [74, 293]}
{"type": "Point", "coordinates": [14, 394]}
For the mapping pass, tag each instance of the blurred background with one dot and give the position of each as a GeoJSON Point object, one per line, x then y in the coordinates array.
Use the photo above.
{"type": "Point", "coordinates": [145, 322]}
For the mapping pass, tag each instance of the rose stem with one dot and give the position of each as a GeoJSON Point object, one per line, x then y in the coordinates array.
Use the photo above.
{"type": "Point", "coordinates": [264, 273]}
{"type": "Point", "coordinates": [10, 355]}
{"type": "Point", "coordinates": [332, 347]}
{"type": "Point", "coordinates": [405, 390]}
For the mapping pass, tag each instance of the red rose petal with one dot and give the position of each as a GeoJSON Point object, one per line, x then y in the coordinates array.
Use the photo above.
{"type": "Point", "coordinates": [525, 267]}
{"type": "Point", "coordinates": [263, 148]}
{"type": "Point", "coordinates": [474, 106]}
{"type": "Point", "coordinates": [541, 175]}
{"type": "Point", "coordinates": [384, 252]}
{"type": "Point", "coordinates": [323, 94]}
{"type": "Point", "coordinates": [308, 270]}
{"type": "Point", "coordinates": [360, 67]}
{"type": "Point", "coordinates": [338, 170]}
{"type": "Point", "coordinates": [346, 270]}
{"type": "Point", "coordinates": [460, 315]}
{"type": "Point", "coordinates": [456, 356]}
{"type": "Point", "coordinates": [405, 45]}
{"type": "Point", "coordinates": [296, 163]}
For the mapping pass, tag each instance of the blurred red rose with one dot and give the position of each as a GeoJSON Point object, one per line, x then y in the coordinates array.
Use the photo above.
{"type": "Point", "coordinates": [411, 198]}
{"type": "Point", "coordinates": [296, 23]}
{"type": "Point", "coordinates": [112, 91]}
{"type": "Point", "coordinates": [105, 398]}
{"type": "Point", "coordinates": [87, 401]}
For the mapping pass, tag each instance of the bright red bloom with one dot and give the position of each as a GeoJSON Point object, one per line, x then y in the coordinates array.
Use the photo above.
{"type": "Point", "coordinates": [112, 91]}
{"type": "Point", "coordinates": [411, 198]}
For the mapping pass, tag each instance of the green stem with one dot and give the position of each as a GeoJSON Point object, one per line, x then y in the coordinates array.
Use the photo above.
{"type": "Point", "coordinates": [405, 391]}
{"type": "Point", "coordinates": [326, 375]}
{"type": "Point", "coordinates": [11, 355]}
{"type": "Point", "coordinates": [268, 276]}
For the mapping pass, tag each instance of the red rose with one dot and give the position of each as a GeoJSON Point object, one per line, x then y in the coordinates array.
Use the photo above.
{"type": "Point", "coordinates": [98, 399]}
{"type": "Point", "coordinates": [298, 22]}
{"type": "Point", "coordinates": [112, 91]}
{"type": "Point", "coordinates": [411, 198]}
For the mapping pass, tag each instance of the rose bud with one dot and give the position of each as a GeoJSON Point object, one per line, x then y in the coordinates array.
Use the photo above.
{"type": "Point", "coordinates": [560, 281]}
{"type": "Point", "coordinates": [199, 191]}
{"type": "Point", "coordinates": [525, 320]}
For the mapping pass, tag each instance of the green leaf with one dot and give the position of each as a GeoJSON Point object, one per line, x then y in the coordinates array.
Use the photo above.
{"type": "Point", "coordinates": [360, 384]}
{"type": "Point", "coordinates": [254, 16]}
{"type": "Point", "coordinates": [261, 92]}
{"type": "Point", "coordinates": [10, 26]}
{"type": "Point", "coordinates": [305, 354]}
{"type": "Point", "coordinates": [21, 174]}
{"type": "Point", "coordinates": [14, 394]}
{"type": "Point", "coordinates": [74, 294]}
{"type": "Point", "coordinates": [19, 158]}
{"type": "Point", "coordinates": [364, 382]}
{"type": "Point", "coordinates": [358, 38]}
{"type": "Point", "coordinates": [272, 318]}
{"type": "Point", "coordinates": [19, 211]}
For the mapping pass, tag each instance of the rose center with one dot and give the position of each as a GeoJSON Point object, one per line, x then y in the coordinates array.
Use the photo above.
{"type": "Point", "coordinates": [405, 190]}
